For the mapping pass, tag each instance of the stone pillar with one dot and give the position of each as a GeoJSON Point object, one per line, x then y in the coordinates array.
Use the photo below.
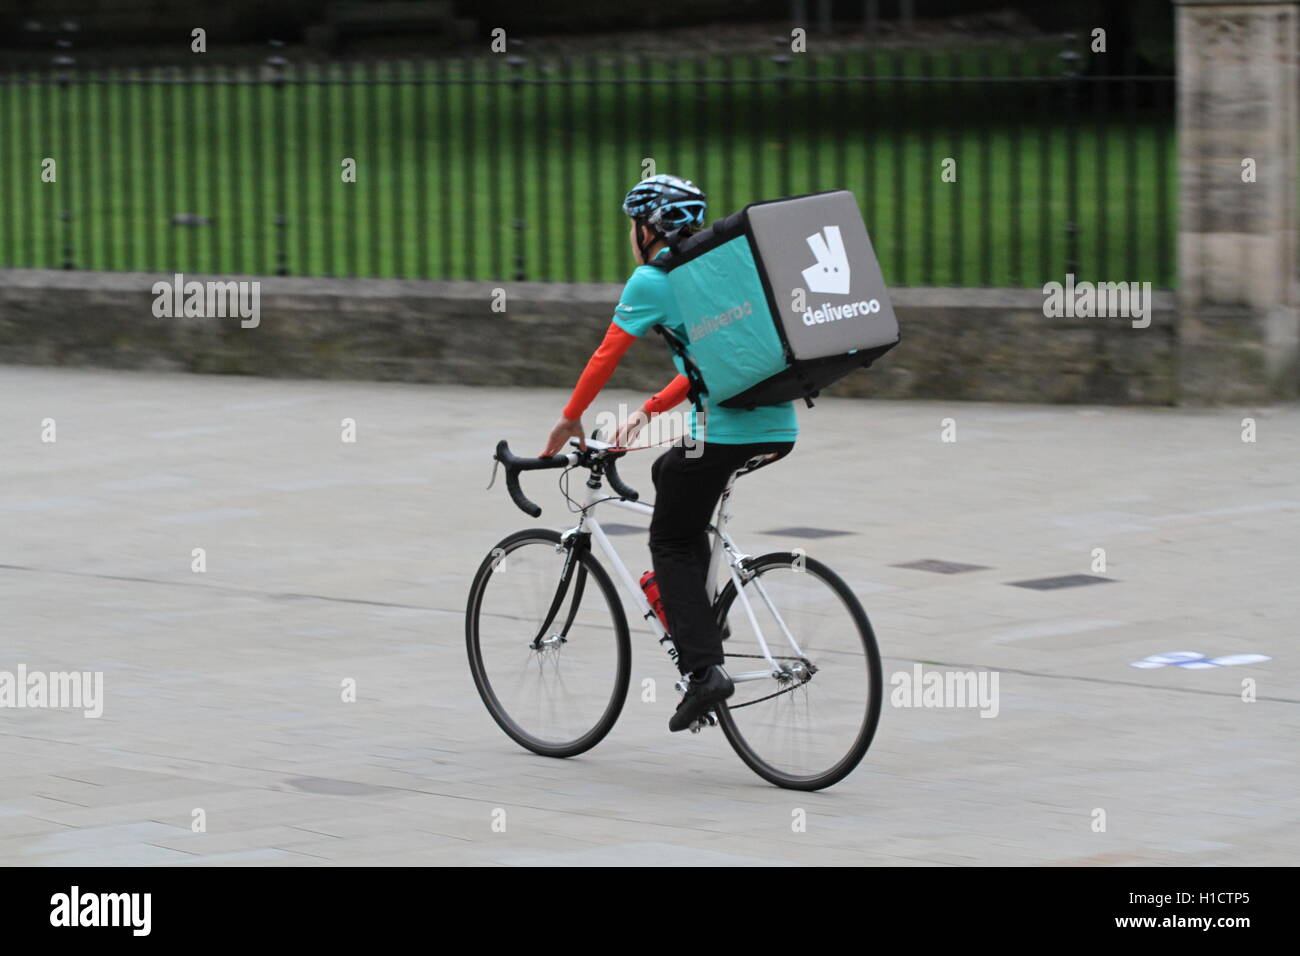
{"type": "Point", "coordinates": [1238, 291]}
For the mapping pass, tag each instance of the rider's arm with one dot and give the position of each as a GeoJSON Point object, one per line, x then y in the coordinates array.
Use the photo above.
{"type": "Point", "coordinates": [670, 395]}
{"type": "Point", "coordinates": [599, 368]}
{"type": "Point", "coordinates": [645, 302]}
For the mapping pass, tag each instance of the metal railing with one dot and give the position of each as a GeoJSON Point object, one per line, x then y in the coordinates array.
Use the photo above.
{"type": "Point", "coordinates": [972, 168]}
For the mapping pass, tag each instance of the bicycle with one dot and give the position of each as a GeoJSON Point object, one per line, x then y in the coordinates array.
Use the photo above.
{"type": "Point", "coordinates": [567, 684]}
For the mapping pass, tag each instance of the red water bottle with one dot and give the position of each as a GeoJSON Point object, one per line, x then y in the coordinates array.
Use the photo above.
{"type": "Point", "coordinates": [651, 589]}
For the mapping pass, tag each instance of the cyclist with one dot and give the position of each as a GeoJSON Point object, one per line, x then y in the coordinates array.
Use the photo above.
{"type": "Point", "coordinates": [689, 478]}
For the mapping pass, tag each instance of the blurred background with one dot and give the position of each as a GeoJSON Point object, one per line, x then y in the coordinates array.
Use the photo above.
{"type": "Point", "coordinates": [478, 165]}
{"type": "Point", "coordinates": [994, 146]}
{"type": "Point", "coordinates": [341, 516]}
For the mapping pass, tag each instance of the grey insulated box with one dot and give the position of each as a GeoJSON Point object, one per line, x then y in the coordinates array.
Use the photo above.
{"type": "Point", "coordinates": [782, 299]}
{"type": "Point", "coordinates": [819, 244]}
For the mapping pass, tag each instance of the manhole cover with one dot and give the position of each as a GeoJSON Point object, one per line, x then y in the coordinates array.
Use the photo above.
{"type": "Point", "coordinates": [805, 532]}
{"type": "Point", "coordinates": [337, 788]}
{"type": "Point", "coordinates": [1064, 581]}
{"type": "Point", "coordinates": [942, 567]}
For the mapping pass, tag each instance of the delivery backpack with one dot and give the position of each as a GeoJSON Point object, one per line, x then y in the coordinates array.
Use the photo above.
{"type": "Point", "coordinates": [735, 283]}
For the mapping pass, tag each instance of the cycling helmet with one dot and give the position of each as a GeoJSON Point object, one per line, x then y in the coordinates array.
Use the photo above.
{"type": "Point", "coordinates": [671, 206]}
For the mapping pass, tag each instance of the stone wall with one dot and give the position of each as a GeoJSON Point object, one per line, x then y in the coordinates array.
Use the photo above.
{"type": "Point", "coordinates": [1238, 122]}
{"type": "Point", "coordinates": [982, 344]}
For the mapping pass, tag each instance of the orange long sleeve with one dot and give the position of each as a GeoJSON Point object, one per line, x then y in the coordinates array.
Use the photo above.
{"type": "Point", "coordinates": [670, 395]}
{"type": "Point", "coordinates": [599, 368]}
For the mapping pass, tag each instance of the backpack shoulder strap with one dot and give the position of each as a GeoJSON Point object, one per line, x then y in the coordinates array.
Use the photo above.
{"type": "Point", "coordinates": [677, 347]}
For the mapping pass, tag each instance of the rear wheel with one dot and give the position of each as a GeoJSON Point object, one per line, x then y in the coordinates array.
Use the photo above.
{"type": "Point", "coordinates": [553, 674]}
{"type": "Point", "coordinates": [809, 723]}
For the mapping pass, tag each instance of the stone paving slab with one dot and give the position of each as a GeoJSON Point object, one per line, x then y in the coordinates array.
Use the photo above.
{"type": "Point", "coordinates": [329, 561]}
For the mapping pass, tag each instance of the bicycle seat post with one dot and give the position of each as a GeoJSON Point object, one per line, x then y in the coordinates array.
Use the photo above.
{"type": "Point", "coordinates": [723, 514]}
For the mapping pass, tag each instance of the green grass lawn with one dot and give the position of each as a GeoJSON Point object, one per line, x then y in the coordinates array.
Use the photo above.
{"type": "Point", "coordinates": [498, 180]}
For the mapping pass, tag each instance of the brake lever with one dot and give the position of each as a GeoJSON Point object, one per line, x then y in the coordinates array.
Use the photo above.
{"type": "Point", "coordinates": [496, 463]}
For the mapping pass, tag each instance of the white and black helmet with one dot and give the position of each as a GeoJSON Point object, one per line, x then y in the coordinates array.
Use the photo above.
{"type": "Point", "coordinates": [671, 206]}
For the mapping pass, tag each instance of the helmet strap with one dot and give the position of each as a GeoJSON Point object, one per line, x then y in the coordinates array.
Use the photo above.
{"type": "Point", "coordinates": [644, 247]}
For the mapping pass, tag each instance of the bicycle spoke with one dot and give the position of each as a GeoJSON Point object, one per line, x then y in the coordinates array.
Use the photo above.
{"type": "Point", "coordinates": [808, 724]}
{"type": "Point", "coordinates": [568, 690]}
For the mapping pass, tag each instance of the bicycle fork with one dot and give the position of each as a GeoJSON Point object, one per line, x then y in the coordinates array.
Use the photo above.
{"type": "Point", "coordinates": [575, 573]}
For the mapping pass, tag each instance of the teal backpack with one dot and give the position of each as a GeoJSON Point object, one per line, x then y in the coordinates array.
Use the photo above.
{"type": "Point", "coordinates": [780, 300]}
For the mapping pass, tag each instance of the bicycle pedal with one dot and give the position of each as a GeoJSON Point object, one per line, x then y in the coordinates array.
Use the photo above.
{"type": "Point", "coordinates": [708, 720]}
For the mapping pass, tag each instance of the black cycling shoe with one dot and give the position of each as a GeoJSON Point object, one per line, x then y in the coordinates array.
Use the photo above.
{"type": "Point", "coordinates": [701, 697]}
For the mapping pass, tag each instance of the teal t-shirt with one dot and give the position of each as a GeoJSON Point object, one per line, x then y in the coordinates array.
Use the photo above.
{"type": "Point", "coordinates": [647, 301]}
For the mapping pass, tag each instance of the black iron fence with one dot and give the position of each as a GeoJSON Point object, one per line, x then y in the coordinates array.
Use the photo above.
{"type": "Point", "coordinates": [975, 167]}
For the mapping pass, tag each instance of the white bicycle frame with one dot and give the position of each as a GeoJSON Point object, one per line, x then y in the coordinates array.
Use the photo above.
{"type": "Point", "coordinates": [724, 549]}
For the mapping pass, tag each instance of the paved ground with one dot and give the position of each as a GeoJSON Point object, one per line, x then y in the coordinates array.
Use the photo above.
{"type": "Point", "coordinates": [329, 561]}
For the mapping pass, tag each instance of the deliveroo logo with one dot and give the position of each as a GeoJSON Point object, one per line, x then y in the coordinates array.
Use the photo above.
{"type": "Point", "coordinates": [830, 273]}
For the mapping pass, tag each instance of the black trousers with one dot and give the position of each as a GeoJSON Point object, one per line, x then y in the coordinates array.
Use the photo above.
{"type": "Point", "coordinates": [688, 484]}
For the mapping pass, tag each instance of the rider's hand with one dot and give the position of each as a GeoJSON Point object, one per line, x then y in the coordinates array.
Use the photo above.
{"type": "Point", "coordinates": [627, 432]}
{"type": "Point", "coordinates": [565, 429]}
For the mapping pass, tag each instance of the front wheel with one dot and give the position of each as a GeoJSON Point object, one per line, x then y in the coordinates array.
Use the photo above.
{"type": "Point", "coordinates": [807, 722]}
{"type": "Point", "coordinates": [548, 643]}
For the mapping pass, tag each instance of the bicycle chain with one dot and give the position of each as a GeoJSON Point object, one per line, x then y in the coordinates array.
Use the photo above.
{"type": "Point", "coordinates": [769, 696]}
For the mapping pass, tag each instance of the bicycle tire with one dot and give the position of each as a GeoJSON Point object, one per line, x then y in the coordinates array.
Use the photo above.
{"type": "Point", "coordinates": [862, 743]}
{"type": "Point", "coordinates": [623, 646]}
